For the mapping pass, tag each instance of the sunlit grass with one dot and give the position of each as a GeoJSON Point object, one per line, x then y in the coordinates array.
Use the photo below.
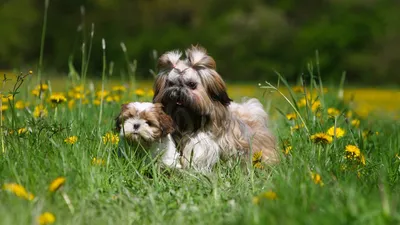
{"type": "Point", "coordinates": [60, 163]}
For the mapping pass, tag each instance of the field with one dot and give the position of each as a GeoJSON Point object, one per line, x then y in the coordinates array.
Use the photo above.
{"type": "Point", "coordinates": [58, 156]}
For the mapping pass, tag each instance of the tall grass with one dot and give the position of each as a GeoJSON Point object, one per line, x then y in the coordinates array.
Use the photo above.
{"type": "Point", "coordinates": [313, 184]}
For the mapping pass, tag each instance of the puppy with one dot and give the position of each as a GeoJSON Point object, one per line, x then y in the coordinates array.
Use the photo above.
{"type": "Point", "coordinates": [209, 127]}
{"type": "Point", "coordinates": [146, 124]}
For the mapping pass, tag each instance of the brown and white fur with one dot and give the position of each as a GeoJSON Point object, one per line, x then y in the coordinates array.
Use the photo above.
{"type": "Point", "coordinates": [209, 126]}
{"type": "Point", "coordinates": [146, 124]}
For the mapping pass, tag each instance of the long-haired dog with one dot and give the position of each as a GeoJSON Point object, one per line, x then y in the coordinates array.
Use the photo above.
{"type": "Point", "coordinates": [146, 125]}
{"type": "Point", "coordinates": [209, 125]}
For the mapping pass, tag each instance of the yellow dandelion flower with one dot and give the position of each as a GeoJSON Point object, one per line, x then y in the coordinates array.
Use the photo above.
{"type": "Point", "coordinates": [116, 98]}
{"type": "Point", "coordinates": [96, 102]}
{"type": "Point", "coordinates": [354, 153]}
{"type": "Point", "coordinates": [339, 132]}
{"type": "Point", "coordinates": [140, 92]}
{"type": "Point", "coordinates": [35, 92]}
{"type": "Point", "coordinates": [258, 165]}
{"type": "Point", "coordinates": [302, 102]}
{"type": "Point", "coordinates": [109, 99]}
{"type": "Point", "coordinates": [315, 106]}
{"type": "Point", "coordinates": [57, 98]}
{"type": "Point", "coordinates": [71, 140]}
{"type": "Point", "coordinates": [46, 218]}
{"type": "Point", "coordinates": [118, 89]}
{"type": "Point", "coordinates": [317, 179]}
{"type": "Point", "coordinates": [18, 190]}
{"type": "Point", "coordinates": [366, 133]}
{"type": "Point", "coordinates": [42, 87]}
{"type": "Point", "coordinates": [150, 93]}
{"type": "Point", "coordinates": [332, 112]}
{"type": "Point", "coordinates": [271, 195]}
{"type": "Point", "coordinates": [353, 150]}
{"type": "Point", "coordinates": [98, 162]}
{"type": "Point", "coordinates": [22, 131]}
{"type": "Point", "coordinates": [291, 116]}
{"type": "Point", "coordinates": [321, 138]}
{"type": "Point", "coordinates": [4, 107]}
{"type": "Point", "coordinates": [257, 156]}
{"type": "Point", "coordinates": [287, 149]}
{"type": "Point", "coordinates": [298, 89]}
{"type": "Point", "coordinates": [349, 114]}
{"type": "Point", "coordinates": [110, 138]}
{"type": "Point", "coordinates": [20, 104]}
{"type": "Point", "coordinates": [355, 123]}
{"type": "Point", "coordinates": [71, 104]}
{"type": "Point", "coordinates": [79, 88]}
{"type": "Point", "coordinates": [6, 98]}
{"type": "Point", "coordinates": [296, 127]}
{"type": "Point", "coordinates": [30, 72]}
{"type": "Point", "coordinates": [40, 111]}
{"type": "Point", "coordinates": [79, 96]}
{"type": "Point", "coordinates": [56, 184]}
{"type": "Point", "coordinates": [102, 94]}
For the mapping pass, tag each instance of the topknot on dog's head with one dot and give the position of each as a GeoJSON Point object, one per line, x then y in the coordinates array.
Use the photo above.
{"type": "Point", "coordinates": [169, 60]}
{"type": "Point", "coordinates": [198, 58]}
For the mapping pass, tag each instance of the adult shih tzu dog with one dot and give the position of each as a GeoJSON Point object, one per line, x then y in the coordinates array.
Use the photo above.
{"type": "Point", "coordinates": [209, 127]}
{"type": "Point", "coordinates": [146, 125]}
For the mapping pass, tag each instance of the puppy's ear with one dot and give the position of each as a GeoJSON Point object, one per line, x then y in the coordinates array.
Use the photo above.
{"type": "Point", "coordinates": [168, 60]}
{"type": "Point", "coordinates": [198, 58]}
{"type": "Point", "coordinates": [119, 119]}
{"type": "Point", "coordinates": [166, 122]}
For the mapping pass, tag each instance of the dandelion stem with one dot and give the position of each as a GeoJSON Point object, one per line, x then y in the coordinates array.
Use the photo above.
{"type": "Point", "coordinates": [131, 66]}
{"type": "Point", "coordinates": [103, 75]}
{"type": "Point", "coordinates": [46, 6]}
{"type": "Point", "coordinates": [68, 202]}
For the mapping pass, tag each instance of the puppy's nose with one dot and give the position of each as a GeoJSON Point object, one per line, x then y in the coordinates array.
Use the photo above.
{"type": "Point", "coordinates": [136, 126]}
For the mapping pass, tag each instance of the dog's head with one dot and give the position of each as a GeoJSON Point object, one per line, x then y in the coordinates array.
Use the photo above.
{"type": "Point", "coordinates": [143, 122]}
{"type": "Point", "coordinates": [191, 88]}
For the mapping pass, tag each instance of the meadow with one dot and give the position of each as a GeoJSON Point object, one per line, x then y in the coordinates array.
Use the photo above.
{"type": "Point", "coordinates": [339, 148]}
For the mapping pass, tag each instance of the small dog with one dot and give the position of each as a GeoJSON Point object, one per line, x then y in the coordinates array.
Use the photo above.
{"type": "Point", "coordinates": [209, 126]}
{"type": "Point", "coordinates": [146, 124]}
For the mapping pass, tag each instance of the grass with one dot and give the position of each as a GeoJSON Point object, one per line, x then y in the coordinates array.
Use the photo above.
{"type": "Point", "coordinates": [313, 184]}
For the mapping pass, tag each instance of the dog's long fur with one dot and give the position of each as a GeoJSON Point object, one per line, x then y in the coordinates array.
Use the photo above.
{"type": "Point", "coordinates": [209, 125]}
{"type": "Point", "coordinates": [146, 124]}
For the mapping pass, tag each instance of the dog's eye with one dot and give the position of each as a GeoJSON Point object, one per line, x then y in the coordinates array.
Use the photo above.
{"type": "Point", "coordinates": [191, 85]}
{"type": "Point", "coordinates": [170, 83]}
{"type": "Point", "coordinates": [149, 123]}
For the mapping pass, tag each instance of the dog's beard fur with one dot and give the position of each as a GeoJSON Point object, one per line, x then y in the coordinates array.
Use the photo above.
{"type": "Point", "coordinates": [195, 96]}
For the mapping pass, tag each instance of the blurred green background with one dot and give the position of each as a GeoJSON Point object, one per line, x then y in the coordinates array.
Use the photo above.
{"type": "Point", "coordinates": [248, 38]}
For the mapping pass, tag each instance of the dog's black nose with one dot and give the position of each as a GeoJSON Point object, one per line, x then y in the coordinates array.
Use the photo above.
{"type": "Point", "coordinates": [136, 126]}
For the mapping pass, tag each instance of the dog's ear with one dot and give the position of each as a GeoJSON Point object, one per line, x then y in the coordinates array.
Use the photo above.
{"type": "Point", "coordinates": [217, 90]}
{"type": "Point", "coordinates": [198, 58]}
{"type": "Point", "coordinates": [158, 87]}
{"type": "Point", "coordinates": [168, 60]}
{"type": "Point", "coordinates": [119, 118]}
{"type": "Point", "coordinates": [166, 122]}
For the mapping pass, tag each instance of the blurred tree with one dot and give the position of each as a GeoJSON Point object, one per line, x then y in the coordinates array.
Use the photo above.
{"type": "Point", "coordinates": [249, 39]}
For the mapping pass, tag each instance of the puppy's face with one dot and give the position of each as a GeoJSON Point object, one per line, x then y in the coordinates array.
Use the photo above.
{"type": "Point", "coordinates": [143, 122]}
{"type": "Point", "coordinates": [189, 88]}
